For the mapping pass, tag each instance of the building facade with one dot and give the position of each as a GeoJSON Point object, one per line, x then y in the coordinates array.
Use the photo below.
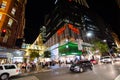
{"type": "Point", "coordinates": [77, 14]}
{"type": "Point", "coordinates": [67, 27]}
{"type": "Point", "coordinates": [12, 21]}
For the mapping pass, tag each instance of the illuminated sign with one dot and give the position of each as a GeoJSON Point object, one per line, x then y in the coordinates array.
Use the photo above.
{"type": "Point", "coordinates": [70, 26]}
{"type": "Point", "coordinates": [75, 30]}
{"type": "Point", "coordinates": [60, 31]}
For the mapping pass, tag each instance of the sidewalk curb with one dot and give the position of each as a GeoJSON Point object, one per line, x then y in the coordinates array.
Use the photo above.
{"type": "Point", "coordinates": [27, 73]}
{"type": "Point", "coordinates": [27, 78]}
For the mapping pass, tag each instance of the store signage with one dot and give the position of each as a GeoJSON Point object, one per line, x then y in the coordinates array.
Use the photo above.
{"type": "Point", "coordinates": [70, 26]}
{"type": "Point", "coordinates": [60, 31]}
{"type": "Point", "coordinates": [75, 30]}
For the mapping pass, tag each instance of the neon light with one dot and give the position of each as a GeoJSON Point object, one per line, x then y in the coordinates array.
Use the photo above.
{"type": "Point", "coordinates": [60, 31]}
{"type": "Point", "coordinates": [75, 30]}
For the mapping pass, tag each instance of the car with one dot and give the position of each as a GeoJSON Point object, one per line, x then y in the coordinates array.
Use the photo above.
{"type": "Point", "coordinates": [8, 70]}
{"type": "Point", "coordinates": [93, 61]}
{"type": "Point", "coordinates": [106, 59]}
{"type": "Point", "coordinates": [81, 66]}
{"type": "Point", "coordinates": [116, 59]}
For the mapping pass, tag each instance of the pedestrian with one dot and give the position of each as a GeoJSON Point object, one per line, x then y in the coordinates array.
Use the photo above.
{"type": "Point", "coordinates": [37, 66]}
{"type": "Point", "coordinates": [28, 67]}
{"type": "Point", "coordinates": [23, 67]}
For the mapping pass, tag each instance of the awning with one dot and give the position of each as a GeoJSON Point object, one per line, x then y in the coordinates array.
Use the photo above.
{"type": "Point", "coordinates": [69, 48]}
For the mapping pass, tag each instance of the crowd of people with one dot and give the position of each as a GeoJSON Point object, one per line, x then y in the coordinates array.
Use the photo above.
{"type": "Point", "coordinates": [32, 66]}
{"type": "Point", "coordinates": [38, 66]}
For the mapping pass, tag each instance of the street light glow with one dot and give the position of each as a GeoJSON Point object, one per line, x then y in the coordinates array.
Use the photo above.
{"type": "Point", "coordinates": [89, 34]}
{"type": "Point", "coordinates": [104, 40]}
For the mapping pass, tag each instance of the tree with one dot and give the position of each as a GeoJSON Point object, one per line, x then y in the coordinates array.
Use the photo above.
{"type": "Point", "coordinates": [34, 54]}
{"type": "Point", "coordinates": [47, 54]}
{"type": "Point", "coordinates": [101, 46]}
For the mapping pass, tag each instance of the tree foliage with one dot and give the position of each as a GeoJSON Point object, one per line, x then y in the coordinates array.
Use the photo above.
{"type": "Point", "coordinates": [101, 46]}
{"type": "Point", "coordinates": [34, 54]}
{"type": "Point", "coordinates": [47, 54]}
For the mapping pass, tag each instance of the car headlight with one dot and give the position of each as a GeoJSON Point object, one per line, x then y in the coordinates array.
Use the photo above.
{"type": "Point", "coordinates": [109, 59]}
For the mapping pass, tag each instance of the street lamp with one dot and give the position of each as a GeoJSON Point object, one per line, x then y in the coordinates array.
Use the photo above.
{"type": "Point", "coordinates": [89, 34]}
{"type": "Point", "coordinates": [105, 40]}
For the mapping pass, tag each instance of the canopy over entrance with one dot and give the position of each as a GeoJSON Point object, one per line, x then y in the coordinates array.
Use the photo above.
{"type": "Point", "coordinates": [69, 48]}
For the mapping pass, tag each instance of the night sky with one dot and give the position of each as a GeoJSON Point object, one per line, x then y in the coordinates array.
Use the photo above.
{"type": "Point", "coordinates": [37, 9]}
{"type": "Point", "coordinates": [35, 12]}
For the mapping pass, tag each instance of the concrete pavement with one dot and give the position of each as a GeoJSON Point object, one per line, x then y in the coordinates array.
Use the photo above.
{"type": "Point", "coordinates": [27, 78]}
{"type": "Point", "coordinates": [42, 70]}
{"type": "Point", "coordinates": [24, 76]}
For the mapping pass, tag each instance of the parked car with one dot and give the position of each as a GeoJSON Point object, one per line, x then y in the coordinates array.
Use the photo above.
{"type": "Point", "coordinates": [8, 70]}
{"type": "Point", "coordinates": [106, 59]}
{"type": "Point", "coordinates": [93, 61]}
{"type": "Point", "coordinates": [116, 59]}
{"type": "Point", "coordinates": [81, 66]}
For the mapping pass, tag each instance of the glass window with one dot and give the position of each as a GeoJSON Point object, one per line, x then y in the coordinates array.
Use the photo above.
{"type": "Point", "coordinates": [1, 68]}
{"type": "Point", "coordinates": [3, 5]}
{"type": "Point", "coordinates": [0, 16]}
{"type": "Point", "coordinates": [9, 67]}
{"type": "Point", "coordinates": [13, 11]}
{"type": "Point", "coordinates": [10, 22]}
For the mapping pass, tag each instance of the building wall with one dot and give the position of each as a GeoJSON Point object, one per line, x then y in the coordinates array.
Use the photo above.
{"type": "Point", "coordinates": [12, 20]}
{"type": "Point", "coordinates": [118, 2]}
{"type": "Point", "coordinates": [78, 15]}
{"type": "Point", "coordinates": [63, 34]}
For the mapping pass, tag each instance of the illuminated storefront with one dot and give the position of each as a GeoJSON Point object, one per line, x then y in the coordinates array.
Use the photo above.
{"type": "Point", "coordinates": [54, 52]}
{"type": "Point", "coordinates": [69, 48]}
{"type": "Point", "coordinates": [11, 55]}
{"type": "Point", "coordinates": [3, 58]}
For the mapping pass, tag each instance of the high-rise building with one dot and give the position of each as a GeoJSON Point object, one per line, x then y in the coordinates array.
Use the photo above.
{"type": "Point", "coordinates": [67, 27]}
{"type": "Point", "coordinates": [78, 14]}
{"type": "Point", "coordinates": [12, 22]}
{"type": "Point", "coordinates": [118, 2]}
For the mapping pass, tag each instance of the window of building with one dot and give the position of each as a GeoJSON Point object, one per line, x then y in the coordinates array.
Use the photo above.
{"type": "Point", "coordinates": [13, 11]}
{"type": "Point", "coordinates": [0, 16]}
{"type": "Point", "coordinates": [10, 22]}
{"type": "Point", "coordinates": [3, 5]}
{"type": "Point", "coordinates": [17, 2]}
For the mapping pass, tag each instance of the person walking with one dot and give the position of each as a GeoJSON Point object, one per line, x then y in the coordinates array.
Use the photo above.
{"type": "Point", "coordinates": [37, 66]}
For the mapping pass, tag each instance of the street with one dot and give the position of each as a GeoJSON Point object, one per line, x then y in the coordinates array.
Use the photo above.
{"type": "Point", "coordinates": [99, 72]}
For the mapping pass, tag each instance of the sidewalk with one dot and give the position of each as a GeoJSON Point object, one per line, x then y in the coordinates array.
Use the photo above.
{"type": "Point", "coordinates": [45, 70]}
{"type": "Point", "coordinates": [32, 72]}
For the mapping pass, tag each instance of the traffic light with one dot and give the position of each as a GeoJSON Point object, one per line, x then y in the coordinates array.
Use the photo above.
{"type": "Point", "coordinates": [3, 33]}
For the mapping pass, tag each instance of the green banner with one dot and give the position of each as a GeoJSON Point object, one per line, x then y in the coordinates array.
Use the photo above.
{"type": "Point", "coordinates": [69, 48]}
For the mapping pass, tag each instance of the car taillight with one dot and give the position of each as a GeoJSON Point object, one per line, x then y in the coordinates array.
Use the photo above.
{"type": "Point", "coordinates": [94, 61]}
{"type": "Point", "coordinates": [17, 70]}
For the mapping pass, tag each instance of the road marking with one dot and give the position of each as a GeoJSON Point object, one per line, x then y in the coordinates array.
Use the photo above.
{"type": "Point", "coordinates": [117, 78]}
